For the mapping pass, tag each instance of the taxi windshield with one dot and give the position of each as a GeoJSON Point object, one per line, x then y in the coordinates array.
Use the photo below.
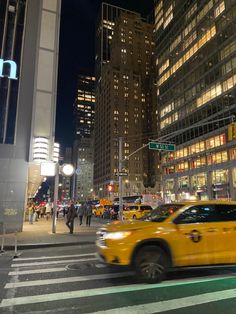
{"type": "Point", "coordinates": [161, 212]}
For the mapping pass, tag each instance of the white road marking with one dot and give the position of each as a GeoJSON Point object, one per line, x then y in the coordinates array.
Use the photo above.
{"type": "Point", "coordinates": [66, 280]}
{"type": "Point", "coordinates": [54, 262]}
{"type": "Point", "coordinates": [36, 271]}
{"type": "Point", "coordinates": [52, 257]}
{"type": "Point", "coordinates": [168, 305]}
{"type": "Point", "coordinates": [177, 303]}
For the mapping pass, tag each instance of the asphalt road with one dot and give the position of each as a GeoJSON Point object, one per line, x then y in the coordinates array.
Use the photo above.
{"type": "Point", "coordinates": [71, 280]}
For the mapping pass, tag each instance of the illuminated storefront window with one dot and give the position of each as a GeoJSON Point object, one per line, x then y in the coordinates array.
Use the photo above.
{"type": "Point", "coordinates": [198, 162]}
{"type": "Point", "coordinates": [215, 141]}
{"type": "Point", "coordinates": [217, 158]}
{"type": "Point", "coordinates": [233, 154]}
{"type": "Point", "coordinates": [220, 184]}
{"type": "Point", "coordinates": [181, 153]}
{"type": "Point", "coordinates": [183, 182]}
{"type": "Point", "coordinates": [199, 181]}
{"type": "Point", "coordinates": [219, 176]}
{"type": "Point", "coordinates": [169, 170]}
{"type": "Point", "coordinates": [183, 166]}
{"type": "Point", "coordinates": [197, 147]}
{"type": "Point", "coordinates": [169, 185]}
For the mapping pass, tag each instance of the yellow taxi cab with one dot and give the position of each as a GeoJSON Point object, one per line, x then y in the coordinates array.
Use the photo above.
{"type": "Point", "coordinates": [136, 211]}
{"type": "Point", "coordinates": [98, 211]}
{"type": "Point", "coordinates": [171, 236]}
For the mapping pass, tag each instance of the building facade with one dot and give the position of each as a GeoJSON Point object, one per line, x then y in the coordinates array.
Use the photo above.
{"type": "Point", "coordinates": [84, 109]}
{"type": "Point", "coordinates": [196, 63]}
{"type": "Point", "coordinates": [125, 102]}
{"type": "Point", "coordinates": [29, 33]}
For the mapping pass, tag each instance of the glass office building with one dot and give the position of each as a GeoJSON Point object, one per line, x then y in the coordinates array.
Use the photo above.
{"type": "Point", "coordinates": [29, 36]}
{"type": "Point", "coordinates": [196, 64]}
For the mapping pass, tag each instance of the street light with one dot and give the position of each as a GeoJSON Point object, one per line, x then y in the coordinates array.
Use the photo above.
{"type": "Point", "coordinates": [66, 170]}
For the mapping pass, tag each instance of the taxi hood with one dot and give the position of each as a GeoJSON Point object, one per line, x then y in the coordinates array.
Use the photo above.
{"type": "Point", "coordinates": [126, 225]}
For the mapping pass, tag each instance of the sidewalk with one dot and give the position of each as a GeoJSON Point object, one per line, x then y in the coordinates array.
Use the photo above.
{"type": "Point", "coordinates": [39, 234]}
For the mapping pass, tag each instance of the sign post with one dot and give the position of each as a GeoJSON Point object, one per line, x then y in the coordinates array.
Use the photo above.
{"type": "Point", "coordinates": [161, 146]}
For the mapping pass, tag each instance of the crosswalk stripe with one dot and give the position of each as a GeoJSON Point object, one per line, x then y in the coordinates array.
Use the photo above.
{"type": "Point", "coordinates": [97, 292]}
{"type": "Point", "coordinates": [52, 257]}
{"type": "Point", "coordinates": [54, 262]}
{"type": "Point", "coordinates": [168, 305]}
{"type": "Point", "coordinates": [66, 280]}
{"type": "Point", "coordinates": [36, 271]}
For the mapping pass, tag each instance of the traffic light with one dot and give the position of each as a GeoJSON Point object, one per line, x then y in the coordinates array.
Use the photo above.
{"type": "Point", "coordinates": [232, 131]}
{"type": "Point", "coordinates": [110, 188]}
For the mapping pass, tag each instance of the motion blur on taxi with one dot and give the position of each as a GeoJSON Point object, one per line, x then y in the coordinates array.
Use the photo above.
{"type": "Point", "coordinates": [172, 236]}
{"type": "Point", "coordinates": [136, 211]}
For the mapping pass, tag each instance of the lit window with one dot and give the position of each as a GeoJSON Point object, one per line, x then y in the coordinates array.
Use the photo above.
{"type": "Point", "coordinates": [219, 9]}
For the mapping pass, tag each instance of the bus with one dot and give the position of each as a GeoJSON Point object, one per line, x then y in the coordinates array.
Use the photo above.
{"type": "Point", "coordinates": [149, 199]}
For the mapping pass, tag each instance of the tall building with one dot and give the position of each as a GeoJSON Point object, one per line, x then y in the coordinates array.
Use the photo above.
{"type": "Point", "coordinates": [125, 101]}
{"type": "Point", "coordinates": [29, 33]}
{"type": "Point", "coordinates": [84, 141]}
{"type": "Point", "coordinates": [196, 61]}
{"type": "Point", "coordinates": [84, 107]}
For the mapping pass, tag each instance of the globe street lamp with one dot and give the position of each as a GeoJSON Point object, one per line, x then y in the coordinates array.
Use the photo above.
{"type": "Point", "coordinates": [66, 170]}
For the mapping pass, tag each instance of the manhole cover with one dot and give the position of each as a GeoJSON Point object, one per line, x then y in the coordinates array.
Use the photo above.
{"type": "Point", "coordinates": [79, 266]}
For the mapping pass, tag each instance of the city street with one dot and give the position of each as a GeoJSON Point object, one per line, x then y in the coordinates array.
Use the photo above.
{"type": "Point", "coordinates": [72, 280]}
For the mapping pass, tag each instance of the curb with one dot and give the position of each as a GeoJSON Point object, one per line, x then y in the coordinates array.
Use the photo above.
{"type": "Point", "coordinates": [45, 245]}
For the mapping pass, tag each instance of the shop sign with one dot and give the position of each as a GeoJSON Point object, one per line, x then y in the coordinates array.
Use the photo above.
{"type": "Point", "coordinates": [13, 68]}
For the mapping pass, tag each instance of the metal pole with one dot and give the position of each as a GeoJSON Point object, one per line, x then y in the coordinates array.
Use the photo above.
{"type": "Point", "coordinates": [56, 183]}
{"type": "Point", "coordinates": [15, 256]}
{"type": "Point", "coordinates": [120, 180]}
{"type": "Point", "coordinates": [3, 238]}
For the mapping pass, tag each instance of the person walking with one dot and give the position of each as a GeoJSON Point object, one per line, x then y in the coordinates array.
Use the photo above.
{"type": "Point", "coordinates": [48, 210]}
{"type": "Point", "coordinates": [31, 213]}
{"type": "Point", "coordinates": [71, 214]}
{"type": "Point", "coordinates": [81, 211]}
{"type": "Point", "coordinates": [88, 214]}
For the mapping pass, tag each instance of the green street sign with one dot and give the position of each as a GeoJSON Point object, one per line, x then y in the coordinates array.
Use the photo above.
{"type": "Point", "coordinates": [121, 174]}
{"type": "Point", "coordinates": [161, 146]}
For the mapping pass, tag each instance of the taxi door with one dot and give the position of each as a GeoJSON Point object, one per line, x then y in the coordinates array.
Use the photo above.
{"type": "Point", "coordinates": [226, 240]}
{"type": "Point", "coordinates": [196, 236]}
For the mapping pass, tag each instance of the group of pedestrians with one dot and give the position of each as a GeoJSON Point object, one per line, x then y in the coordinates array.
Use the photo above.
{"type": "Point", "coordinates": [83, 210]}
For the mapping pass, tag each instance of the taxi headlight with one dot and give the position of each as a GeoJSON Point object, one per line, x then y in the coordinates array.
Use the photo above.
{"type": "Point", "coordinates": [117, 235]}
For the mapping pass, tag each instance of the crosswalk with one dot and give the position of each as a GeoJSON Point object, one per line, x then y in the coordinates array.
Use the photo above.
{"type": "Point", "coordinates": [46, 284]}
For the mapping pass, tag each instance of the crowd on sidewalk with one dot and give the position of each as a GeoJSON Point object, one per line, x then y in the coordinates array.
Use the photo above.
{"type": "Point", "coordinates": [70, 212]}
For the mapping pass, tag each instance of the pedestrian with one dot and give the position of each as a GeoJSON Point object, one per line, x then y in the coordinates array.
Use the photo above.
{"type": "Point", "coordinates": [71, 214]}
{"type": "Point", "coordinates": [81, 211]}
{"type": "Point", "coordinates": [88, 214]}
{"type": "Point", "coordinates": [48, 210]}
{"type": "Point", "coordinates": [31, 213]}
{"type": "Point", "coordinates": [42, 211]}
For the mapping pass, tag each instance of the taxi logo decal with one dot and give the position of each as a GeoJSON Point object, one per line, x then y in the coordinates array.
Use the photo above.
{"type": "Point", "coordinates": [195, 236]}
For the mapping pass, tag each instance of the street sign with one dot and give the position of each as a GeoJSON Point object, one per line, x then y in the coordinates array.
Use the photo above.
{"type": "Point", "coordinates": [161, 146]}
{"type": "Point", "coordinates": [121, 174]}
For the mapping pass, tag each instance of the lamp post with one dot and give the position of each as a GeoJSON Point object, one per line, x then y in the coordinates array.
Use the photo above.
{"type": "Point", "coordinates": [66, 170]}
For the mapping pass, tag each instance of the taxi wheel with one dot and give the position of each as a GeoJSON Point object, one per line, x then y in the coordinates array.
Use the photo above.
{"type": "Point", "coordinates": [151, 264]}
{"type": "Point", "coordinates": [134, 217]}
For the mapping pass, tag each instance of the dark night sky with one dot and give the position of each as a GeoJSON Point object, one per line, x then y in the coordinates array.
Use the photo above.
{"type": "Point", "coordinates": [77, 53]}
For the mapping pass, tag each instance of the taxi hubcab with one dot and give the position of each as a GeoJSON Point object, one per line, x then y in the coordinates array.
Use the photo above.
{"type": "Point", "coordinates": [171, 236]}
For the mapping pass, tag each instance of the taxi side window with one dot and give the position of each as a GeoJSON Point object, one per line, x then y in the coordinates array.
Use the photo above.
{"type": "Point", "coordinates": [198, 214]}
{"type": "Point", "coordinates": [132, 208]}
{"type": "Point", "coordinates": [226, 212]}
